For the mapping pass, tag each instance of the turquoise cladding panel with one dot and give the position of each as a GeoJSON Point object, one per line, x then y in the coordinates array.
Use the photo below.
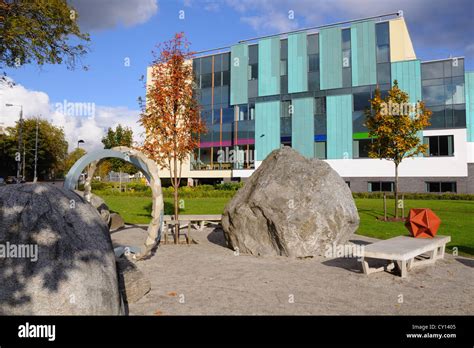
{"type": "Point", "coordinates": [269, 66]}
{"type": "Point", "coordinates": [330, 53]}
{"type": "Point", "coordinates": [267, 128]}
{"type": "Point", "coordinates": [339, 126]}
{"type": "Point", "coordinates": [297, 63]}
{"type": "Point", "coordinates": [364, 54]}
{"type": "Point", "coordinates": [469, 86]}
{"type": "Point", "coordinates": [408, 75]}
{"type": "Point", "coordinates": [239, 55]}
{"type": "Point", "coordinates": [302, 126]}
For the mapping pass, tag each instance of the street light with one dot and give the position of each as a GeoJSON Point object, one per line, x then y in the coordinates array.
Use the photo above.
{"type": "Point", "coordinates": [80, 142]}
{"type": "Point", "coordinates": [18, 155]}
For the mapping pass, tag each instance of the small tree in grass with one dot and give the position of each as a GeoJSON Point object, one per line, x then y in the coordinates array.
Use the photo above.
{"type": "Point", "coordinates": [171, 114]}
{"type": "Point", "coordinates": [394, 125]}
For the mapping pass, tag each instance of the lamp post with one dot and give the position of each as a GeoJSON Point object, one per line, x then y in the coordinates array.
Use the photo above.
{"type": "Point", "coordinates": [18, 154]}
{"type": "Point", "coordinates": [80, 142]}
{"type": "Point", "coordinates": [35, 176]}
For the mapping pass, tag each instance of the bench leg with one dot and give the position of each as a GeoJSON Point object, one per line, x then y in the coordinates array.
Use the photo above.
{"type": "Point", "coordinates": [369, 270]}
{"type": "Point", "coordinates": [188, 236]}
{"type": "Point", "coordinates": [410, 264]}
{"type": "Point", "coordinates": [441, 251]}
{"type": "Point", "coordinates": [402, 265]}
{"type": "Point", "coordinates": [365, 266]}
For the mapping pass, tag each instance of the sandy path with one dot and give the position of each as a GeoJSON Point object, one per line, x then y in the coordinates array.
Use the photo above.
{"type": "Point", "coordinates": [207, 278]}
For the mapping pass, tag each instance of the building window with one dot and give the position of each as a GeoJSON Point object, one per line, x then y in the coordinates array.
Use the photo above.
{"type": "Point", "coordinates": [313, 62]}
{"type": "Point", "coordinates": [380, 186]}
{"type": "Point", "coordinates": [361, 101]}
{"type": "Point", "coordinates": [361, 148]}
{"type": "Point", "coordinates": [383, 53]}
{"type": "Point", "coordinates": [383, 73]}
{"type": "Point", "coordinates": [443, 92]}
{"type": "Point", "coordinates": [253, 62]}
{"type": "Point", "coordinates": [346, 58]}
{"type": "Point", "coordinates": [285, 122]}
{"type": "Point", "coordinates": [440, 145]}
{"type": "Point", "coordinates": [320, 149]}
{"type": "Point", "coordinates": [439, 187]}
{"type": "Point", "coordinates": [284, 66]}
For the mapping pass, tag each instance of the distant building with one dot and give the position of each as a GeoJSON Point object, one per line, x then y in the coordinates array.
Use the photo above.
{"type": "Point", "coordinates": [308, 89]}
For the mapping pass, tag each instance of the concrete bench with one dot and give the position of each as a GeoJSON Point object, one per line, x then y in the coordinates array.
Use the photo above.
{"type": "Point", "coordinates": [187, 220]}
{"type": "Point", "coordinates": [404, 252]}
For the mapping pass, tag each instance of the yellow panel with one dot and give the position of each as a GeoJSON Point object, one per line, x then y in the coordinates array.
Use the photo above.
{"type": "Point", "coordinates": [401, 47]}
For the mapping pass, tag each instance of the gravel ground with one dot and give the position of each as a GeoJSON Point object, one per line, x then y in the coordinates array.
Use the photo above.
{"type": "Point", "coordinates": [208, 279]}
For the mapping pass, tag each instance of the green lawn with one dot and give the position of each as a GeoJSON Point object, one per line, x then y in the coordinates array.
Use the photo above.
{"type": "Point", "coordinates": [457, 216]}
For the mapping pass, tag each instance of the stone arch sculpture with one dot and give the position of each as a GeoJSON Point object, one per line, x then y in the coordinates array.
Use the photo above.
{"type": "Point", "coordinates": [147, 166]}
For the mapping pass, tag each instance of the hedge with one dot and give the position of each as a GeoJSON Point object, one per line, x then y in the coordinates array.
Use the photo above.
{"type": "Point", "coordinates": [229, 189]}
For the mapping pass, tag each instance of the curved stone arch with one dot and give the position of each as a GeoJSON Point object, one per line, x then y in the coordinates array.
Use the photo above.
{"type": "Point", "coordinates": [147, 166]}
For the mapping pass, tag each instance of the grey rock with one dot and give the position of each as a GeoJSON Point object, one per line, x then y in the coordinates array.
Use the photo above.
{"type": "Point", "coordinates": [116, 222]}
{"type": "Point", "coordinates": [75, 271]}
{"type": "Point", "coordinates": [97, 203]}
{"type": "Point", "coordinates": [290, 206]}
{"type": "Point", "coordinates": [132, 282]}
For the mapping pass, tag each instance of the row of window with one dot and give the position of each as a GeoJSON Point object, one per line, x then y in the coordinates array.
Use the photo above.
{"type": "Point", "coordinates": [431, 187]}
{"type": "Point", "coordinates": [438, 146]}
{"type": "Point", "coordinates": [224, 158]}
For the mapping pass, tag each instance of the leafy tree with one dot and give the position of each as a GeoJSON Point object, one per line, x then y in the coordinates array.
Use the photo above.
{"type": "Point", "coordinates": [171, 114]}
{"type": "Point", "coordinates": [52, 149]}
{"type": "Point", "coordinates": [394, 125]}
{"type": "Point", "coordinates": [120, 136]}
{"type": "Point", "coordinates": [39, 31]}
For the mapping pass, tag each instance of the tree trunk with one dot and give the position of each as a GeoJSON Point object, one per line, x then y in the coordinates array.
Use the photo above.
{"type": "Point", "coordinates": [396, 190]}
{"type": "Point", "coordinates": [176, 207]}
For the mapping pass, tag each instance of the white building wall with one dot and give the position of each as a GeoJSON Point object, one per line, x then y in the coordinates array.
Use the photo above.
{"type": "Point", "coordinates": [455, 166]}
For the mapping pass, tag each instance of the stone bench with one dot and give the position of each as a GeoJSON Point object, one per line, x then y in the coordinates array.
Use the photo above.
{"type": "Point", "coordinates": [404, 252]}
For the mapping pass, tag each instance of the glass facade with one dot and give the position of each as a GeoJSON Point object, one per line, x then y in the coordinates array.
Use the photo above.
{"type": "Point", "coordinates": [312, 42]}
{"type": "Point", "coordinates": [346, 58]}
{"type": "Point", "coordinates": [233, 127]}
{"type": "Point", "coordinates": [383, 52]}
{"type": "Point", "coordinates": [439, 145]}
{"type": "Point", "coordinates": [443, 92]}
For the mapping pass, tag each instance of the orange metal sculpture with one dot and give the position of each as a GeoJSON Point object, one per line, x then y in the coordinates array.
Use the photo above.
{"type": "Point", "coordinates": [423, 223]}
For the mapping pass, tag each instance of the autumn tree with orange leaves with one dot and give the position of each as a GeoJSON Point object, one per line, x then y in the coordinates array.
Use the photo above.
{"type": "Point", "coordinates": [171, 115]}
{"type": "Point", "coordinates": [394, 125]}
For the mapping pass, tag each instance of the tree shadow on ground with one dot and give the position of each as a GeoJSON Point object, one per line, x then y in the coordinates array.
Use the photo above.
{"type": "Point", "coordinates": [70, 237]}
{"type": "Point", "coordinates": [466, 262]}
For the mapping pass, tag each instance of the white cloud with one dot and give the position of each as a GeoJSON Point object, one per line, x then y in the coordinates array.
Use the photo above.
{"type": "Point", "coordinates": [88, 127]}
{"type": "Point", "coordinates": [275, 22]}
{"type": "Point", "coordinates": [106, 14]}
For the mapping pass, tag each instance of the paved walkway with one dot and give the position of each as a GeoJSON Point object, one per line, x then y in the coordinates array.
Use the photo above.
{"type": "Point", "coordinates": [207, 278]}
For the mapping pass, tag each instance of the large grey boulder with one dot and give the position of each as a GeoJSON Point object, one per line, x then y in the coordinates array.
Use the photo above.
{"type": "Point", "coordinates": [72, 271]}
{"type": "Point", "coordinates": [290, 206]}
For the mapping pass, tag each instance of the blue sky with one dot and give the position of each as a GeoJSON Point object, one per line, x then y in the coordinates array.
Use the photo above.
{"type": "Point", "coordinates": [122, 29]}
